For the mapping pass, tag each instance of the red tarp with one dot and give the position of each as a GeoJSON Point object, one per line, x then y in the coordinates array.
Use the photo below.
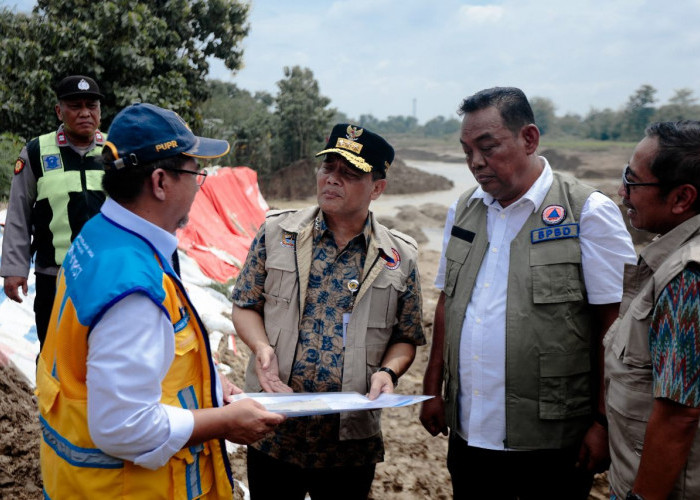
{"type": "Point", "coordinates": [227, 212]}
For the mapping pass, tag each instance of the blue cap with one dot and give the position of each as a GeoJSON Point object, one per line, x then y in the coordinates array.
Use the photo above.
{"type": "Point", "coordinates": [143, 133]}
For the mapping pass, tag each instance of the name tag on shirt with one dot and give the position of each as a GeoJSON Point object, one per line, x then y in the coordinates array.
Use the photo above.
{"type": "Point", "coordinates": [346, 320]}
{"type": "Point", "coordinates": [554, 233]}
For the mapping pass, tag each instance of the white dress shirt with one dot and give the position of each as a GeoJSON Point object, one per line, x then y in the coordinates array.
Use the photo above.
{"type": "Point", "coordinates": [605, 247]}
{"type": "Point", "coordinates": [130, 351]}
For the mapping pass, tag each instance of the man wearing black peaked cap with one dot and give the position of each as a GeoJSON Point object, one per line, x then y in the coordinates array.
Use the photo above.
{"type": "Point", "coordinates": [131, 405]}
{"type": "Point", "coordinates": [329, 300]}
{"type": "Point", "coordinates": [55, 190]}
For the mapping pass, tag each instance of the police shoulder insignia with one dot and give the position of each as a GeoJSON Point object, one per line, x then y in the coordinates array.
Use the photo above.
{"type": "Point", "coordinates": [19, 165]}
{"type": "Point", "coordinates": [61, 138]}
{"type": "Point", "coordinates": [395, 263]}
{"type": "Point", "coordinates": [553, 215]}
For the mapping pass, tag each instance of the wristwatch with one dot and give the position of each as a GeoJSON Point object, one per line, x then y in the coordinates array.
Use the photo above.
{"type": "Point", "coordinates": [392, 374]}
{"type": "Point", "coordinates": [633, 496]}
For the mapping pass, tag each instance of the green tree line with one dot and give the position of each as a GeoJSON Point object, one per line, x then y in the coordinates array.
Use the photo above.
{"type": "Point", "coordinates": [156, 51]}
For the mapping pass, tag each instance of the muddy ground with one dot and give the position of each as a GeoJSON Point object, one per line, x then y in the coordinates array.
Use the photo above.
{"type": "Point", "coordinates": [415, 461]}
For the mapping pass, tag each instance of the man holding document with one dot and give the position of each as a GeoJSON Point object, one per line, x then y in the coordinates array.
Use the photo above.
{"type": "Point", "coordinates": [329, 300]}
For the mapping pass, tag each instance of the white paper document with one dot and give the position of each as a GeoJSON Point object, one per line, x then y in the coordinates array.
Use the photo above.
{"type": "Point", "coordinates": [299, 404]}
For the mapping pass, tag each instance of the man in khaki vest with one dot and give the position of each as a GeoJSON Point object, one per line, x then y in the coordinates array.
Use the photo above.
{"type": "Point", "coordinates": [652, 352]}
{"type": "Point", "coordinates": [329, 300]}
{"type": "Point", "coordinates": [531, 277]}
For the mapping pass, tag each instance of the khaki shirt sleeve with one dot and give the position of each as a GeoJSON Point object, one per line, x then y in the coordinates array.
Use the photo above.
{"type": "Point", "coordinates": [17, 235]}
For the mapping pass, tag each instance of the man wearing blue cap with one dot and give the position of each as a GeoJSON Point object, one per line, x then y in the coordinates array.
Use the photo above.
{"type": "Point", "coordinates": [329, 300]}
{"type": "Point", "coordinates": [55, 190]}
{"type": "Point", "coordinates": [131, 405]}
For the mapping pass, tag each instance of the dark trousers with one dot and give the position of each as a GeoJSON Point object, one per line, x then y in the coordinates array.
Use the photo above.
{"type": "Point", "coordinates": [509, 475]}
{"type": "Point", "coordinates": [272, 479]}
{"type": "Point", "coordinates": [43, 302]}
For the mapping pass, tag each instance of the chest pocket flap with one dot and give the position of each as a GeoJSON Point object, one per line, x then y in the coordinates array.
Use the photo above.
{"type": "Point", "coordinates": [556, 272]}
{"type": "Point", "coordinates": [456, 255]}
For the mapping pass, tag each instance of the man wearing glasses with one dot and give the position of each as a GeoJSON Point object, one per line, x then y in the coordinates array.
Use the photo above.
{"type": "Point", "coordinates": [652, 352]}
{"type": "Point", "coordinates": [131, 405]}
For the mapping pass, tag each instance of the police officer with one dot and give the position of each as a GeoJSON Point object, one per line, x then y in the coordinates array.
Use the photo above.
{"type": "Point", "coordinates": [56, 188]}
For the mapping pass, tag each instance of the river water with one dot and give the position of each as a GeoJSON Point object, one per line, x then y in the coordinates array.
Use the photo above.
{"type": "Point", "coordinates": [388, 204]}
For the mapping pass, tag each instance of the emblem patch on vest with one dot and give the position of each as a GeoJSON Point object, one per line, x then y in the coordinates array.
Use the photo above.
{"type": "Point", "coordinates": [554, 233]}
{"type": "Point", "coordinates": [553, 215]}
{"type": "Point", "coordinates": [287, 240]}
{"type": "Point", "coordinates": [51, 162]}
{"type": "Point", "coordinates": [396, 263]}
{"type": "Point", "coordinates": [19, 165]}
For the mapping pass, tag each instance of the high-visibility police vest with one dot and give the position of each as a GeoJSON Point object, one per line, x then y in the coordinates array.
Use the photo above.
{"type": "Point", "coordinates": [89, 284]}
{"type": "Point", "coordinates": [548, 325]}
{"type": "Point", "coordinates": [69, 192]}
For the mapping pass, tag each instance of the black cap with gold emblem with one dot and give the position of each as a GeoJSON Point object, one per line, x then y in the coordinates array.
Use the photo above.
{"type": "Point", "coordinates": [364, 150]}
{"type": "Point", "coordinates": [78, 87]}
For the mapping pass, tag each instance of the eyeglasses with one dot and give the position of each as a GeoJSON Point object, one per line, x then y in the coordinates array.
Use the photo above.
{"type": "Point", "coordinates": [201, 174]}
{"type": "Point", "coordinates": [629, 184]}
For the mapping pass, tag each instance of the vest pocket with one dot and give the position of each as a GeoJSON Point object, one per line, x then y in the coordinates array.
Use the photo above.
{"type": "Point", "coordinates": [630, 411]}
{"type": "Point", "coordinates": [565, 385]}
{"type": "Point", "coordinates": [47, 389]}
{"type": "Point", "coordinates": [556, 274]}
{"type": "Point", "coordinates": [382, 307]}
{"type": "Point", "coordinates": [455, 256]}
{"type": "Point", "coordinates": [192, 472]}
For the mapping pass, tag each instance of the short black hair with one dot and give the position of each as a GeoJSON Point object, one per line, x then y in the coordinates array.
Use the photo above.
{"type": "Point", "coordinates": [125, 184]}
{"type": "Point", "coordinates": [511, 103]}
{"type": "Point", "coordinates": [677, 160]}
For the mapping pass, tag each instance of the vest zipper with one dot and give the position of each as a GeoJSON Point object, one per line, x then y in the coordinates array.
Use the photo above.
{"type": "Point", "coordinates": [83, 180]}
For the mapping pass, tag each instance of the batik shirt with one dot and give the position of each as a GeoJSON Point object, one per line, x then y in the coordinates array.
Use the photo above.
{"type": "Point", "coordinates": [318, 362]}
{"type": "Point", "coordinates": [674, 340]}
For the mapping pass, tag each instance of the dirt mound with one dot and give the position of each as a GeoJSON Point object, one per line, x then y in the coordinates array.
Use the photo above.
{"type": "Point", "coordinates": [410, 219]}
{"type": "Point", "coordinates": [298, 181]}
{"type": "Point", "coordinates": [20, 477]}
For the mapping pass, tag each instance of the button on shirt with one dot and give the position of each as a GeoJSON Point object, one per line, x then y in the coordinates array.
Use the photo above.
{"type": "Point", "coordinates": [605, 247]}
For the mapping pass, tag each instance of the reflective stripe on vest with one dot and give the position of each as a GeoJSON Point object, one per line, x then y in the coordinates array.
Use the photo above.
{"type": "Point", "coordinates": [56, 184]}
{"type": "Point", "coordinates": [75, 455]}
{"type": "Point", "coordinates": [188, 400]}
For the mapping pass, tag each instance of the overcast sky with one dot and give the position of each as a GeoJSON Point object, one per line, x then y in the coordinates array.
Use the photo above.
{"type": "Point", "coordinates": [389, 57]}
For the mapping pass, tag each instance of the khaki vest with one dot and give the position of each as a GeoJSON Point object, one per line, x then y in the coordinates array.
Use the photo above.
{"type": "Point", "coordinates": [373, 316]}
{"type": "Point", "coordinates": [548, 329]}
{"type": "Point", "coordinates": [628, 370]}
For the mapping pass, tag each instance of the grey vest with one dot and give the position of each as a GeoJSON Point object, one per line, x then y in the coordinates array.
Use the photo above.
{"type": "Point", "coordinates": [628, 370]}
{"type": "Point", "coordinates": [548, 330]}
{"type": "Point", "coordinates": [373, 316]}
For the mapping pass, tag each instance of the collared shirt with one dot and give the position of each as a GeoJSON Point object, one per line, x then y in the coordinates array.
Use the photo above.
{"type": "Point", "coordinates": [318, 362]}
{"type": "Point", "coordinates": [126, 365]}
{"type": "Point", "coordinates": [605, 247]}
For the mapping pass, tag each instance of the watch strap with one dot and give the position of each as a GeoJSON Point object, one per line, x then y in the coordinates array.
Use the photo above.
{"type": "Point", "coordinates": [392, 374]}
